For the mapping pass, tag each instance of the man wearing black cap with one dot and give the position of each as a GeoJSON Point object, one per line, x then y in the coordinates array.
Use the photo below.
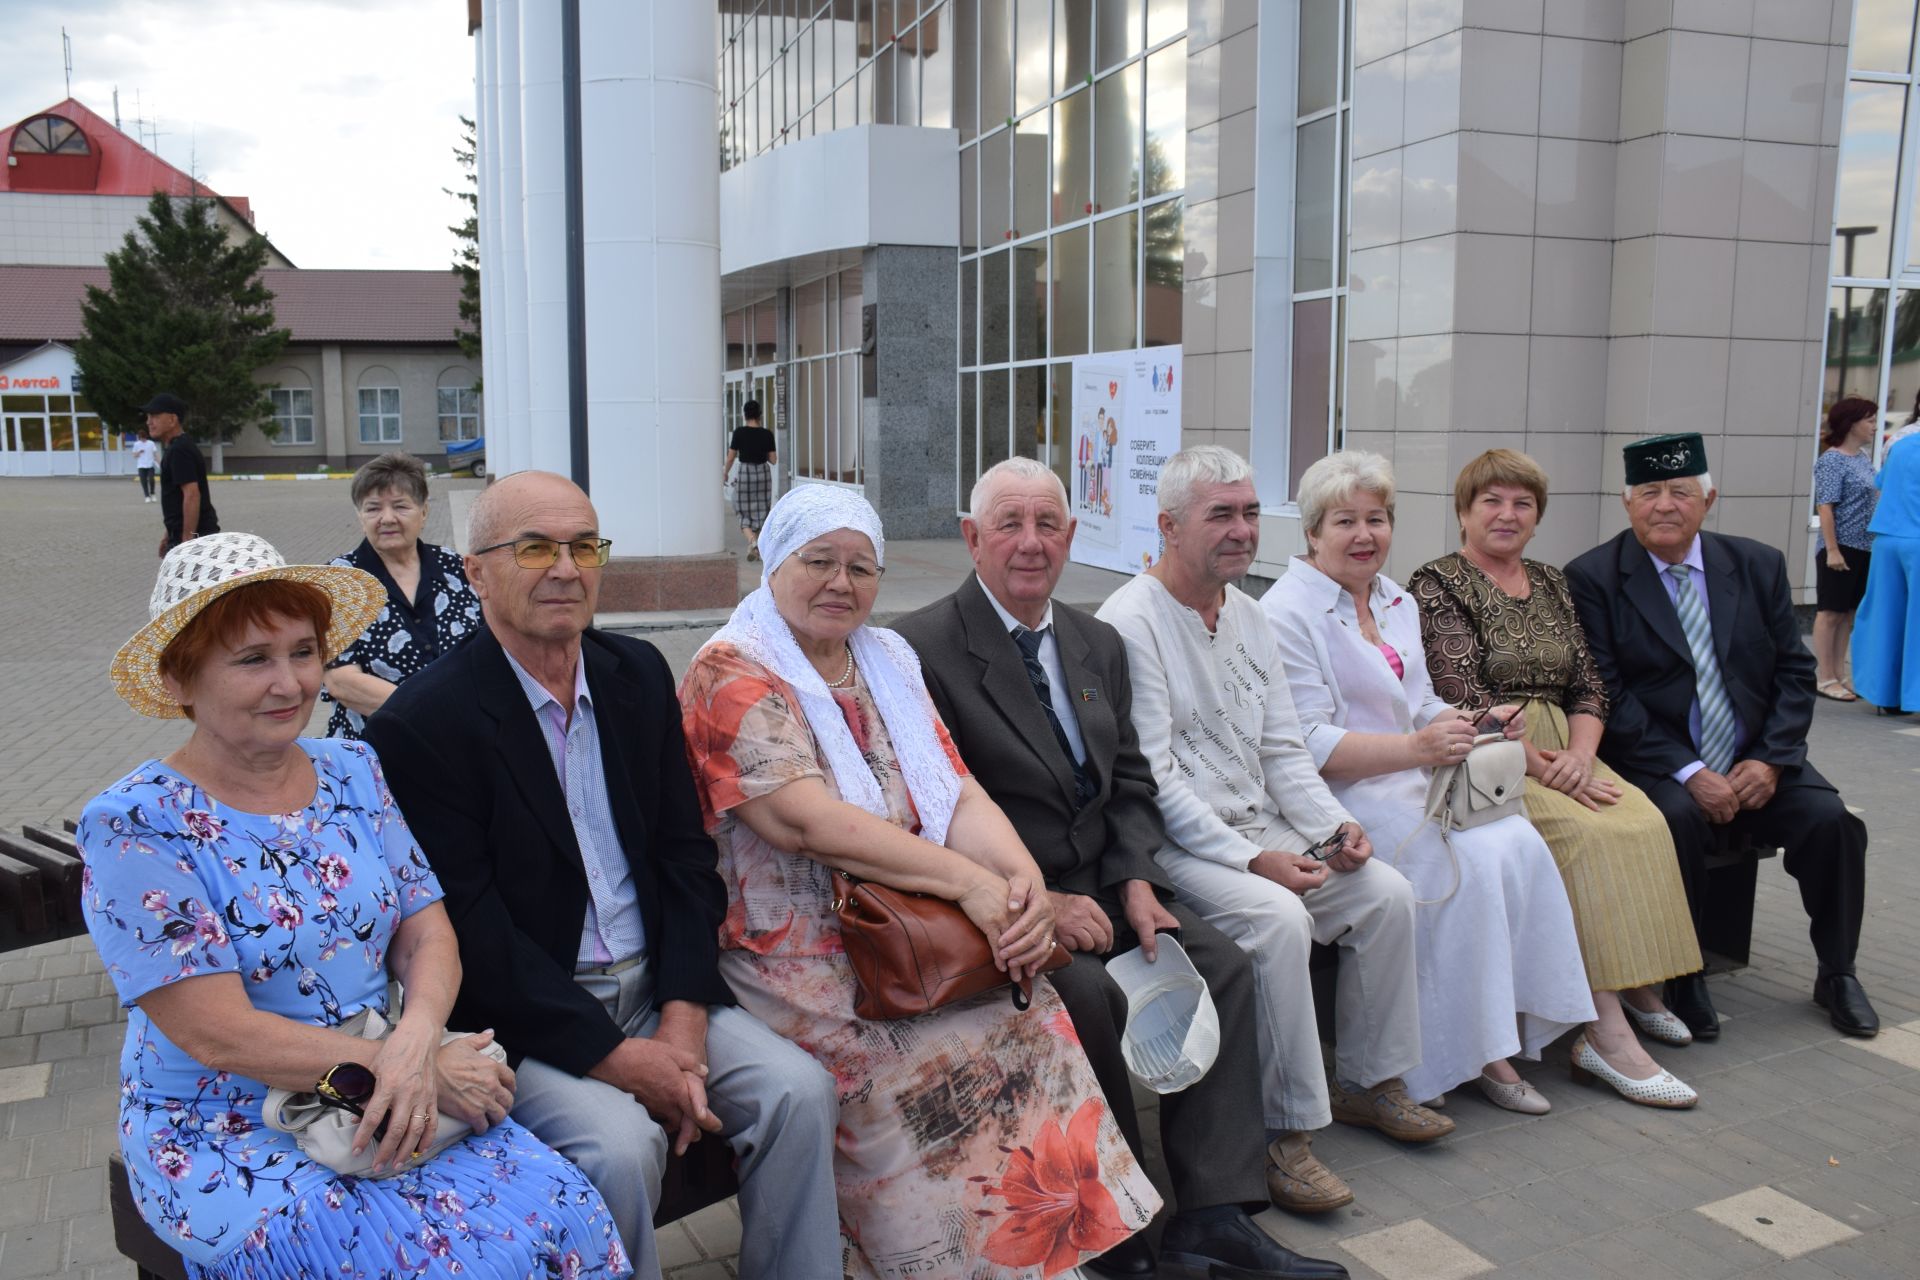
{"type": "Point", "coordinates": [1712, 695]}
{"type": "Point", "coordinates": [185, 505]}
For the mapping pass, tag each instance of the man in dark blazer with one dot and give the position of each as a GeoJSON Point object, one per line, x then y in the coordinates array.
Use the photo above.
{"type": "Point", "coordinates": [542, 770]}
{"type": "Point", "coordinates": [1711, 695]}
{"type": "Point", "coordinates": [1068, 773]}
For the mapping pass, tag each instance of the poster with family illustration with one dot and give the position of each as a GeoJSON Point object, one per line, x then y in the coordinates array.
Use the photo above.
{"type": "Point", "coordinates": [1126, 423]}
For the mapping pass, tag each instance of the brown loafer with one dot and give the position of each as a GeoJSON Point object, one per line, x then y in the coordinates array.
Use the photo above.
{"type": "Point", "coordinates": [1298, 1182]}
{"type": "Point", "coordinates": [1387, 1107]}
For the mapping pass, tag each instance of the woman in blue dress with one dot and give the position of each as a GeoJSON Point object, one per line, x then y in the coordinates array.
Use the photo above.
{"type": "Point", "coordinates": [1886, 631]}
{"type": "Point", "coordinates": [251, 892]}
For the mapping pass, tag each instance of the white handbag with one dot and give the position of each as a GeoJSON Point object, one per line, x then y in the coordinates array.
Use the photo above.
{"type": "Point", "coordinates": [325, 1132]}
{"type": "Point", "coordinates": [1489, 784]}
{"type": "Point", "coordinates": [728, 486]}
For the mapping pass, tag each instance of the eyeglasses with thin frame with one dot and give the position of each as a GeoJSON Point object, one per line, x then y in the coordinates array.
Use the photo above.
{"type": "Point", "coordinates": [860, 573]}
{"type": "Point", "coordinates": [1321, 850]}
{"type": "Point", "coordinates": [543, 553]}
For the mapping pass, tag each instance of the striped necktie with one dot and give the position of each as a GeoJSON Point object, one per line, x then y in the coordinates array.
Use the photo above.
{"type": "Point", "coordinates": [1029, 642]}
{"type": "Point", "coordinates": [1716, 711]}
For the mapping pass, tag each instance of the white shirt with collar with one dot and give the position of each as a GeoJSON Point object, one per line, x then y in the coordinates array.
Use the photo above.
{"type": "Point", "coordinates": [1697, 579]}
{"type": "Point", "coordinates": [1050, 663]}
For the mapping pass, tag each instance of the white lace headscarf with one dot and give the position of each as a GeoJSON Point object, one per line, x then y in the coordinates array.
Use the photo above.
{"type": "Point", "coordinates": [888, 664]}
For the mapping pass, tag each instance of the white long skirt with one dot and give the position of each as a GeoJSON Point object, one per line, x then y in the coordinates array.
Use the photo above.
{"type": "Point", "coordinates": [1499, 964]}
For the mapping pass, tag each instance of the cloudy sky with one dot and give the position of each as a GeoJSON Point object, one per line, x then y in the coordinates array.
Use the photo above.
{"type": "Point", "coordinates": [335, 117]}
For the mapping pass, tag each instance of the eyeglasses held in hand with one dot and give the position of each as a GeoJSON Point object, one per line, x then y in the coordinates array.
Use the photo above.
{"type": "Point", "coordinates": [542, 553]}
{"type": "Point", "coordinates": [861, 573]}
{"type": "Point", "coordinates": [349, 1086]}
{"type": "Point", "coordinates": [1321, 850]}
{"type": "Point", "coordinates": [1488, 722]}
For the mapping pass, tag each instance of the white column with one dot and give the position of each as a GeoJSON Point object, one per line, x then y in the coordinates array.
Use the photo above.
{"type": "Point", "coordinates": [652, 219]}
{"type": "Point", "coordinates": [544, 233]}
{"type": "Point", "coordinates": [504, 20]}
{"type": "Point", "coordinates": [486, 141]}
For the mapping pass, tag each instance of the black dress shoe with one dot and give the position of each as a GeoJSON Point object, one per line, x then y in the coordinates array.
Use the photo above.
{"type": "Point", "coordinates": [1687, 998]}
{"type": "Point", "coordinates": [1840, 994]}
{"type": "Point", "coordinates": [1233, 1247]}
{"type": "Point", "coordinates": [1131, 1259]}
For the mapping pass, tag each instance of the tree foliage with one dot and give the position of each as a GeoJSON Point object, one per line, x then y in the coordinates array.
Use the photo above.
{"type": "Point", "coordinates": [466, 256]}
{"type": "Point", "coordinates": [184, 311]}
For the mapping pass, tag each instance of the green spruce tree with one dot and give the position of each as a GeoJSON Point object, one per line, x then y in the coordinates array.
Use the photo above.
{"type": "Point", "coordinates": [184, 311]}
{"type": "Point", "coordinates": [466, 256]}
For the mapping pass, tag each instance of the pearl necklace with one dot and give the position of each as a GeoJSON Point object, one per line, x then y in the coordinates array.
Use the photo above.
{"type": "Point", "coordinates": [846, 675]}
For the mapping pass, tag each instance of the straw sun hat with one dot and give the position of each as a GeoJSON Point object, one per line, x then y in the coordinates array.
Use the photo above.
{"type": "Point", "coordinates": [196, 573]}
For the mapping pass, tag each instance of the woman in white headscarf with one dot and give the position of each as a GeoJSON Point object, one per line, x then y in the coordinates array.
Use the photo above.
{"type": "Point", "coordinates": [976, 1132]}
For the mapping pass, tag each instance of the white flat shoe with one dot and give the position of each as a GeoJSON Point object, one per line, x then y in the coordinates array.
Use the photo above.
{"type": "Point", "coordinates": [1521, 1097]}
{"type": "Point", "coordinates": [1662, 1090]}
{"type": "Point", "coordinates": [1664, 1026]}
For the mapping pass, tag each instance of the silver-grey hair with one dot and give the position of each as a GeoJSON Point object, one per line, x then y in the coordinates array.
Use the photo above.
{"type": "Point", "coordinates": [1705, 478]}
{"type": "Point", "coordinates": [987, 487]}
{"type": "Point", "coordinates": [1336, 478]}
{"type": "Point", "coordinates": [485, 516]}
{"type": "Point", "coordinates": [1190, 468]}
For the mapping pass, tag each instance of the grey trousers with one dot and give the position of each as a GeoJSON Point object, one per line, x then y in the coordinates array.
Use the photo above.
{"type": "Point", "coordinates": [1368, 914]}
{"type": "Point", "coordinates": [777, 1108]}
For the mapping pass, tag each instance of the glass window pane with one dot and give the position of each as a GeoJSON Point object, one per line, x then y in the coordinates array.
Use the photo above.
{"type": "Point", "coordinates": [996, 181]}
{"type": "Point", "coordinates": [1070, 292]}
{"type": "Point", "coordinates": [810, 319]}
{"type": "Point", "coordinates": [1165, 20]}
{"type": "Point", "coordinates": [1319, 54]}
{"type": "Point", "coordinates": [1166, 259]}
{"type": "Point", "coordinates": [61, 427]}
{"type": "Point", "coordinates": [1116, 123]}
{"type": "Point", "coordinates": [1030, 184]}
{"type": "Point", "coordinates": [1116, 267]}
{"type": "Point", "coordinates": [1030, 411]}
{"type": "Point", "coordinates": [993, 308]}
{"type": "Point", "coordinates": [969, 439]}
{"type": "Point", "coordinates": [818, 421]}
{"type": "Point", "coordinates": [823, 77]}
{"type": "Point", "coordinates": [970, 199]}
{"type": "Point", "coordinates": [996, 62]}
{"type": "Point", "coordinates": [736, 327]}
{"type": "Point", "coordinates": [1313, 206]}
{"type": "Point", "coordinates": [936, 70]}
{"type": "Point", "coordinates": [1882, 34]}
{"type": "Point", "coordinates": [763, 322]}
{"type": "Point", "coordinates": [850, 442]}
{"type": "Point", "coordinates": [1869, 160]}
{"type": "Point", "coordinates": [994, 407]}
{"type": "Point", "coordinates": [1854, 327]}
{"type": "Point", "coordinates": [851, 303]}
{"type": "Point", "coordinates": [1903, 381]}
{"type": "Point", "coordinates": [1060, 425]}
{"type": "Point", "coordinates": [1166, 162]}
{"type": "Point", "coordinates": [883, 90]}
{"type": "Point", "coordinates": [1072, 157]}
{"type": "Point", "coordinates": [1072, 43]}
{"type": "Point", "coordinates": [970, 312]}
{"type": "Point", "coordinates": [834, 342]}
{"type": "Point", "coordinates": [1312, 352]}
{"type": "Point", "coordinates": [966, 67]}
{"type": "Point", "coordinates": [883, 21]}
{"type": "Point", "coordinates": [1117, 29]}
{"type": "Point", "coordinates": [1032, 55]}
{"type": "Point", "coordinates": [1030, 285]}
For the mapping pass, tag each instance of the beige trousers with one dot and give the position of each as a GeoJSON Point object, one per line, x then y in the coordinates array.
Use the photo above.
{"type": "Point", "coordinates": [1368, 914]}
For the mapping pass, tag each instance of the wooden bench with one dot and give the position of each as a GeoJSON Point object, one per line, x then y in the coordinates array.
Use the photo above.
{"type": "Point", "coordinates": [40, 872]}
{"type": "Point", "coordinates": [702, 1177]}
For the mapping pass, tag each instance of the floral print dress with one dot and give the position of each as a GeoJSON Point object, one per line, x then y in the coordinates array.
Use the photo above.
{"type": "Point", "coordinates": [301, 906]}
{"type": "Point", "coordinates": [974, 1140]}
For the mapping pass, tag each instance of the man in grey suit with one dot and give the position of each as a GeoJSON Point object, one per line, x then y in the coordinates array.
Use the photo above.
{"type": "Point", "coordinates": [1036, 696]}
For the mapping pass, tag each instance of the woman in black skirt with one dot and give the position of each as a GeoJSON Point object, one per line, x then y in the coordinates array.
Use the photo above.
{"type": "Point", "coordinates": [752, 447]}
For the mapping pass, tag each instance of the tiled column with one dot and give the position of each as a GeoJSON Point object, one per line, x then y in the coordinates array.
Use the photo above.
{"type": "Point", "coordinates": [907, 428]}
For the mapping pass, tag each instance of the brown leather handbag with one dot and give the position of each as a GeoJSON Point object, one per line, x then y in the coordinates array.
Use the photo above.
{"type": "Point", "coordinates": [912, 953]}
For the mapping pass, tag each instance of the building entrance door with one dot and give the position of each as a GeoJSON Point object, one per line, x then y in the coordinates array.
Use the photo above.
{"type": "Point", "coordinates": [741, 386]}
{"type": "Point", "coordinates": [28, 453]}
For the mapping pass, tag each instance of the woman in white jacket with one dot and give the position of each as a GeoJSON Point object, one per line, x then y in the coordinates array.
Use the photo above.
{"type": "Point", "coordinates": [1500, 972]}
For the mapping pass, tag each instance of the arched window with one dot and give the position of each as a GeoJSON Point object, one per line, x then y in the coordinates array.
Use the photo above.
{"type": "Point", "coordinates": [379, 407]}
{"type": "Point", "coordinates": [50, 136]}
{"type": "Point", "coordinates": [459, 404]}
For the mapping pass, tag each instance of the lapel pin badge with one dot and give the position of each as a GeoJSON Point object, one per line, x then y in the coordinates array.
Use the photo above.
{"type": "Point", "coordinates": [1089, 695]}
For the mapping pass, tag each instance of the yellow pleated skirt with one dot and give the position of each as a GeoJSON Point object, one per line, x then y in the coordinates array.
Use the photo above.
{"type": "Point", "coordinates": [1629, 906]}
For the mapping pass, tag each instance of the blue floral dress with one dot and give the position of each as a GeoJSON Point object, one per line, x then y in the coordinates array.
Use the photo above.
{"type": "Point", "coordinates": [302, 907]}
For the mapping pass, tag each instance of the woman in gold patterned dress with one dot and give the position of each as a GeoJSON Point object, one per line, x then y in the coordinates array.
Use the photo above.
{"type": "Point", "coordinates": [1499, 628]}
{"type": "Point", "coordinates": [973, 1140]}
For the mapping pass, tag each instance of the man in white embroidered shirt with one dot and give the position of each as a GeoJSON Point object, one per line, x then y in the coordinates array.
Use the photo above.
{"type": "Point", "coordinates": [1258, 846]}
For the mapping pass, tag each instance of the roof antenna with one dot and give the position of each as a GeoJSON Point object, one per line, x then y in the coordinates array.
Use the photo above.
{"type": "Point", "coordinates": [66, 45]}
{"type": "Point", "coordinates": [116, 108]}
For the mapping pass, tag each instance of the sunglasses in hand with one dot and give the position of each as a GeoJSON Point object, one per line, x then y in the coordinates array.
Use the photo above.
{"type": "Point", "coordinates": [349, 1086]}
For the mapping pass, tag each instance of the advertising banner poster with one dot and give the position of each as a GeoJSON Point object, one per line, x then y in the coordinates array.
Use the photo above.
{"type": "Point", "coordinates": [1125, 424]}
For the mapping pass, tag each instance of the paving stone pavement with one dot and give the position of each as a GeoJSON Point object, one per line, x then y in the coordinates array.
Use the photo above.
{"type": "Point", "coordinates": [1802, 1161]}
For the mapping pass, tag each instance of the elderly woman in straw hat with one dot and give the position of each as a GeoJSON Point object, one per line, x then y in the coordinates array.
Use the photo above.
{"type": "Point", "coordinates": [250, 893]}
{"type": "Point", "coordinates": [973, 1138]}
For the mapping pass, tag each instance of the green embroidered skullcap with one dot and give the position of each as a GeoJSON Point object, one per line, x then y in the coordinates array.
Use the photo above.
{"type": "Point", "coordinates": [1665, 458]}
